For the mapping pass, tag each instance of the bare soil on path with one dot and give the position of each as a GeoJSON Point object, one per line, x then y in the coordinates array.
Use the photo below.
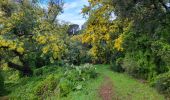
{"type": "Point", "coordinates": [106, 91]}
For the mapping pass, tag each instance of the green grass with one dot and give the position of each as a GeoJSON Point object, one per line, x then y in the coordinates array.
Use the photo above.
{"type": "Point", "coordinates": [89, 92]}
{"type": "Point", "coordinates": [125, 87]}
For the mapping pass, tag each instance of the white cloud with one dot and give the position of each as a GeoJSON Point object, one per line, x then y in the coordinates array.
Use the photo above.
{"type": "Point", "coordinates": [72, 12]}
{"type": "Point", "coordinates": [68, 6]}
{"type": "Point", "coordinates": [168, 4]}
{"type": "Point", "coordinates": [75, 4]}
{"type": "Point", "coordinates": [72, 18]}
{"type": "Point", "coordinates": [45, 6]}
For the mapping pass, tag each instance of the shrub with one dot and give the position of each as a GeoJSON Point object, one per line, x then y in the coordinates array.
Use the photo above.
{"type": "Point", "coordinates": [77, 53]}
{"type": "Point", "coordinates": [138, 65]}
{"type": "Point", "coordinates": [52, 81]}
{"type": "Point", "coordinates": [46, 87]}
{"type": "Point", "coordinates": [65, 81]}
{"type": "Point", "coordinates": [73, 77]}
{"type": "Point", "coordinates": [162, 83]}
{"type": "Point", "coordinates": [45, 70]}
{"type": "Point", "coordinates": [161, 52]}
{"type": "Point", "coordinates": [82, 72]}
{"type": "Point", "coordinates": [117, 65]}
{"type": "Point", "coordinates": [65, 86]}
{"type": "Point", "coordinates": [89, 70]}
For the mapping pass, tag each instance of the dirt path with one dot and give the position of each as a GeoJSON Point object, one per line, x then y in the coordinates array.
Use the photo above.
{"type": "Point", "coordinates": [106, 91]}
{"type": "Point", "coordinates": [4, 98]}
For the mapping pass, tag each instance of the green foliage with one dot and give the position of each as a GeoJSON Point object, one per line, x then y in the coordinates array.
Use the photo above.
{"type": "Point", "coordinates": [47, 87]}
{"type": "Point", "coordinates": [101, 31]}
{"type": "Point", "coordinates": [66, 86]}
{"type": "Point", "coordinates": [125, 87]}
{"type": "Point", "coordinates": [30, 34]}
{"type": "Point", "coordinates": [138, 65]}
{"type": "Point", "coordinates": [145, 56]}
{"type": "Point", "coordinates": [46, 70]}
{"type": "Point", "coordinates": [140, 32]}
{"type": "Point", "coordinates": [162, 83]}
{"type": "Point", "coordinates": [81, 73]}
{"type": "Point", "coordinates": [136, 41]}
{"type": "Point", "coordinates": [161, 51]}
{"type": "Point", "coordinates": [10, 75]}
{"type": "Point", "coordinates": [53, 81]}
{"type": "Point", "coordinates": [77, 52]}
{"type": "Point", "coordinates": [117, 65]}
{"type": "Point", "coordinates": [73, 77]}
{"type": "Point", "coordinates": [1, 84]}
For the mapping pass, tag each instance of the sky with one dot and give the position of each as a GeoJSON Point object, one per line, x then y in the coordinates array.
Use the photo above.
{"type": "Point", "coordinates": [72, 11]}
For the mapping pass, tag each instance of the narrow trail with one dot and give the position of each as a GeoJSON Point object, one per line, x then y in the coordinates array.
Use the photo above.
{"type": "Point", "coordinates": [106, 91]}
{"type": "Point", "coordinates": [118, 86]}
{"type": "Point", "coordinates": [4, 98]}
{"type": "Point", "coordinates": [110, 85]}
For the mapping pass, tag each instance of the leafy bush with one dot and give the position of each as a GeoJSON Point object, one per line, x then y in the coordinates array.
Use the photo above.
{"type": "Point", "coordinates": [65, 86]}
{"type": "Point", "coordinates": [46, 87]}
{"type": "Point", "coordinates": [138, 65]}
{"type": "Point", "coordinates": [73, 77]}
{"type": "Point", "coordinates": [117, 65]}
{"type": "Point", "coordinates": [53, 81]}
{"type": "Point", "coordinates": [10, 75]}
{"type": "Point", "coordinates": [82, 72]}
{"type": "Point", "coordinates": [161, 52]}
{"type": "Point", "coordinates": [162, 83]}
{"type": "Point", "coordinates": [46, 70]}
{"type": "Point", "coordinates": [77, 53]}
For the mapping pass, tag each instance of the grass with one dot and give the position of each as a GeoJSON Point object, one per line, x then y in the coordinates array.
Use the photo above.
{"type": "Point", "coordinates": [126, 88]}
{"type": "Point", "coordinates": [89, 92]}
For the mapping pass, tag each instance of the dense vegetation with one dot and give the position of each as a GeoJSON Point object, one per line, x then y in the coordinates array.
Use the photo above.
{"type": "Point", "coordinates": [140, 34]}
{"type": "Point", "coordinates": [41, 58]}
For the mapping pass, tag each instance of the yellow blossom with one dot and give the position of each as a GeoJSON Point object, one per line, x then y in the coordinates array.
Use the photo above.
{"type": "Point", "coordinates": [118, 43]}
{"type": "Point", "coordinates": [45, 49]}
{"type": "Point", "coordinates": [20, 50]}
